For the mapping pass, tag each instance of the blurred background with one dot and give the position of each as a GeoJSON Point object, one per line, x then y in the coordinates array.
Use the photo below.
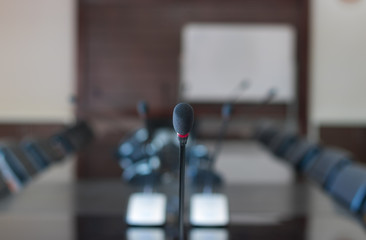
{"type": "Point", "coordinates": [299, 63]}
{"type": "Point", "coordinates": [94, 60]}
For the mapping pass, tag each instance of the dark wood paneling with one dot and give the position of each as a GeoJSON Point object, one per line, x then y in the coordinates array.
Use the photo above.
{"type": "Point", "coordinates": [130, 50]}
{"type": "Point", "coordinates": [352, 139]}
{"type": "Point", "coordinates": [103, 149]}
{"type": "Point", "coordinates": [18, 131]}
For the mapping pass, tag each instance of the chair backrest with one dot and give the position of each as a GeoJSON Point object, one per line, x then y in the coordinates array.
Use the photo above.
{"type": "Point", "coordinates": [267, 135]}
{"type": "Point", "coordinates": [40, 151]}
{"type": "Point", "coordinates": [73, 138]}
{"type": "Point", "coordinates": [12, 164]}
{"type": "Point", "coordinates": [349, 187]}
{"type": "Point", "coordinates": [302, 154]}
{"type": "Point", "coordinates": [327, 165]}
{"type": "Point", "coordinates": [282, 143]}
{"type": "Point", "coordinates": [4, 189]}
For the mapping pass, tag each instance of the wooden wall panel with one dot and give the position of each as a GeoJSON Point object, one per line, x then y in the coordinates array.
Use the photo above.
{"type": "Point", "coordinates": [130, 50]}
{"type": "Point", "coordinates": [17, 131]}
{"type": "Point", "coordinates": [349, 138]}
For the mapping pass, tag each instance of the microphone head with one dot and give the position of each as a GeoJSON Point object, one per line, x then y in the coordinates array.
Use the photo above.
{"type": "Point", "coordinates": [142, 108]}
{"type": "Point", "coordinates": [244, 84]}
{"type": "Point", "coordinates": [272, 92]}
{"type": "Point", "coordinates": [227, 110]}
{"type": "Point", "coordinates": [183, 119]}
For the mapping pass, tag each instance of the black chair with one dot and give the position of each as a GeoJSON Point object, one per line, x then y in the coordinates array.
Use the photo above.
{"type": "Point", "coordinates": [302, 154]}
{"type": "Point", "coordinates": [4, 187]}
{"type": "Point", "coordinates": [73, 138]}
{"type": "Point", "coordinates": [259, 129]}
{"type": "Point", "coordinates": [349, 187]}
{"type": "Point", "coordinates": [18, 169]}
{"type": "Point", "coordinates": [282, 143]}
{"type": "Point", "coordinates": [363, 209]}
{"type": "Point", "coordinates": [327, 165]}
{"type": "Point", "coordinates": [41, 151]}
{"type": "Point", "coordinates": [14, 152]}
{"type": "Point", "coordinates": [265, 134]}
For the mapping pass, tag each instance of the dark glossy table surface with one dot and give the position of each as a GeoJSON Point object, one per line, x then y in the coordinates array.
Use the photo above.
{"type": "Point", "coordinates": [58, 209]}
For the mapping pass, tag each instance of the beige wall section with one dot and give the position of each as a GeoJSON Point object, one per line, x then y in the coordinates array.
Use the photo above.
{"type": "Point", "coordinates": [338, 64]}
{"type": "Point", "coordinates": [37, 60]}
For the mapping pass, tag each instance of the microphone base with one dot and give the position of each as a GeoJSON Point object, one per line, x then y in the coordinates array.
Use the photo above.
{"type": "Point", "coordinates": [209, 233]}
{"type": "Point", "coordinates": [146, 209]}
{"type": "Point", "coordinates": [138, 233]}
{"type": "Point", "coordinates": [209, 210]}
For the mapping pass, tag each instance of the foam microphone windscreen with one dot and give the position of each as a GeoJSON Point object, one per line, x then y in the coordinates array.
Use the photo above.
{"type": "Point", "coordinates": [183, 118]}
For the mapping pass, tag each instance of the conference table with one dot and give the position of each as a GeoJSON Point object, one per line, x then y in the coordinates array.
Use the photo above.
{"type": "Point", "coordinates": [267, 200]}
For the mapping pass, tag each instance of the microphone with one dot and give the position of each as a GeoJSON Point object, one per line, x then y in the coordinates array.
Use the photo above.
{"type": "Point", "coordinates": [226, 112]}
{"type": "Point", "coordinates": [239, 89]}
{"type": "Point", "coordinates": [182, 123]}
{"type": "Point", "coordinates": [142, 108]}
{"type": "Point", "coordinates": [143, 111]}
{"type": "Point", "coordinates": [272, 92]}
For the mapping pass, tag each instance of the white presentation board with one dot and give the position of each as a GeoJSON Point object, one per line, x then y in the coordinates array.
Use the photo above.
{"type": "Point", "coordinates": [216, 58]}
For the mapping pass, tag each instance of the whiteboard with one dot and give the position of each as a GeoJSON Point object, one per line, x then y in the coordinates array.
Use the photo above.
{"type": "Point", "coordinates": [217, 58]}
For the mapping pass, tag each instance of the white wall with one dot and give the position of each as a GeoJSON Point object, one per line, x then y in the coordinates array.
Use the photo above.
{"type": "Point", "coordinates": [37, 60]}
{"type": "Point", "coordinates": [338, 63]}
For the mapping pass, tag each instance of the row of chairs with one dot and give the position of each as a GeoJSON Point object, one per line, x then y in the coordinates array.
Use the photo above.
{"type": "Point", "coordinates": [20, 162]}
{"type": "Point", "coordinates": [333, 169]}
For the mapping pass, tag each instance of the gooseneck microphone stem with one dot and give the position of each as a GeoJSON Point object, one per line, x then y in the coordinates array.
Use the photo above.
{"type": "Point", "coordinates": [182, 123]}
{"type": "Point", "coordinates": [143, 111]}
{"type": "Point", "coordinates": [182, 168]}
{"type": "Point", "coordinates": [218, 145]}
{"type": "Point", "coordinates": [226, 113]}
{"type": "Point", "coordinates": [148, 129]}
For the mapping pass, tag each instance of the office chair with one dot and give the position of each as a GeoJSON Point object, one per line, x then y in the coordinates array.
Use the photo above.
{"type": "Point", "coordinates": [74, 138]}
{"type": "Point", "coordinates": [327, 165]}
{"type": "Point", "coordinates": [349, 187]}
{"type": "Point", "coordinates": [302, 154]}
{"type": "Point", "coordinates": [282, 143]}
